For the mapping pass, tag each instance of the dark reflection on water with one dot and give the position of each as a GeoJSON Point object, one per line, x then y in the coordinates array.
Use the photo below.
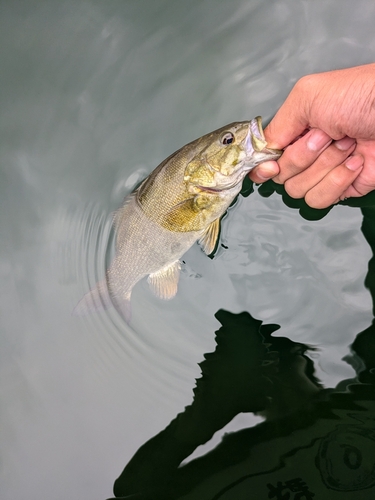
{"type": "Point", "coordinates": [94, 95]}
{"type": "Point", "coordinates": [314, 442]}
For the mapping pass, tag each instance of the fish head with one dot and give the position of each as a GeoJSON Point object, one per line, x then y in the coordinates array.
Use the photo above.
{"type": "Point", "coordinates": [223, 157]}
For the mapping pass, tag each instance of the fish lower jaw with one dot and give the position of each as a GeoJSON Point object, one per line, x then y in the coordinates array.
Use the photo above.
{"type": "Point", "coordinates": [235, 185]}
{"type": "Point", "coordinates": [208, 189]}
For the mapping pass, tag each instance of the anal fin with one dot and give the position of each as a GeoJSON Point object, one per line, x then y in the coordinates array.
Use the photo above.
{"type": "Point", "coordinates": [209, 237]}
{"type": "Point", "coordinates": [164, 283]}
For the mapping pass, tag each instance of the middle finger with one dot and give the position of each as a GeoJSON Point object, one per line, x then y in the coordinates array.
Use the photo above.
{"type": "Point", "coordinates": [334, 155]}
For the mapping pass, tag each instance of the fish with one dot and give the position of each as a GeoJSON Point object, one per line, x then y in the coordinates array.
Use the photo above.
{"type": "Point", "coordinates": [181, 202]}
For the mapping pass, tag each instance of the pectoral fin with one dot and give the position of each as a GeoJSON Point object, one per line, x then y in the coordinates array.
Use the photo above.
{"type": "Point", "coordinates": [209, 238]}
{"type": "Point", "coordinates": [164, 283]}
{"type": "Point", "coordinates": [189, 215]}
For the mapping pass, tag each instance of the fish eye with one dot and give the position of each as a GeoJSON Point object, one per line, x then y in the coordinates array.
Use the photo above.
{"type": "Point", "coordinates": [227, 138]}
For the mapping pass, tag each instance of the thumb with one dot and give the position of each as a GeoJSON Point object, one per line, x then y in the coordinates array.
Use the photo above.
{"type": "Point", "coordinates": [264, 171]}
{"type": "Point", "coordinates": [290, 121]}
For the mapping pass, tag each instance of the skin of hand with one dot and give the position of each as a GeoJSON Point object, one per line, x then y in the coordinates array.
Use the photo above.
{"type": "Point", "coordinates": [335, 158]}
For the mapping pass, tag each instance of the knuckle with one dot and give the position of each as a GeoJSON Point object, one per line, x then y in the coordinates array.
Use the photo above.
{"type": "Point", "coordinates": [293, 189]}
{"type": "Point", "coordinates": [340, 178]}
{"type": "Point", "coordinates": [291, 160]}
{"type": "Point", "coordinates": [315, 202]}
{"type": "Point", "coordinates": [297, 156]}
{"type": "Point", "coordinates": [305, 83]}
{"type": "Point", "coordinates": [277, 180]}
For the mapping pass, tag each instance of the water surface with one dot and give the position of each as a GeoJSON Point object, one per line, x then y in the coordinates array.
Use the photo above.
{"type": "Point", "coordinates": [94, 96]}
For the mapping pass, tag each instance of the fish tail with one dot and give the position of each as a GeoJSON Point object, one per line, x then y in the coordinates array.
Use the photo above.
{"type": "Point", "coordinates": [95, 300]}
{"type": "Point", "coordinates": [124, 308]}
{"type": "Point", "coordinates": [99, 299]}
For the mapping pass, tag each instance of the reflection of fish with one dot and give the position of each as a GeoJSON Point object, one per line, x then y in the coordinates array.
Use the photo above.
{"type": "Point", "coordinates": [180, 202]}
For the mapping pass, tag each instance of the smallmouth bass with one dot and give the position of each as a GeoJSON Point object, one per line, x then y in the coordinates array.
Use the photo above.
{"type": "Point", "coordinates": [179, 203]}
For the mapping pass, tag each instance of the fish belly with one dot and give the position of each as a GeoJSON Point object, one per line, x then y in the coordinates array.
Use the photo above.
{"type": "Point", "coordinates": [143, 247]}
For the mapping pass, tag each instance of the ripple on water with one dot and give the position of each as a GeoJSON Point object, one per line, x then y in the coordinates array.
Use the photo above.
{"type": "Point", "coordinates": [143, 351]}
{"type": "Point", "coordinates": [281, 268]}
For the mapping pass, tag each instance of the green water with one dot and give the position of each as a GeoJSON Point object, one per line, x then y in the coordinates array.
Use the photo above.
{"type": "Point", "coordinates": [200, 397]}
{"type": "Point", "coordinates": [314, 441]}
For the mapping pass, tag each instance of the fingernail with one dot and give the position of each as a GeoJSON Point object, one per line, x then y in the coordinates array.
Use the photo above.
{"type": "Point", "coordinates": [318, 140]}
{"type": "Point", "coordinates": [354, 162]}
{"type": "Point", "coordinates": [344, 144]}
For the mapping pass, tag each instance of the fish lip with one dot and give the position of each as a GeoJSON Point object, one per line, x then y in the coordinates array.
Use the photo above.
{"type": "Point", "coordinates": [256, 145]}
{"type": "Point", "coordinates": [267, 154]}
{"type": "Point", "coordinates": [272, 154]}
{"type": "Point", "coordinates": [247, 142]}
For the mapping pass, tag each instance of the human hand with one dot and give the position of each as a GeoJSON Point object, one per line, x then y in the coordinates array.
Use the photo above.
{"type": "Point", "coordinates": [335, 159]}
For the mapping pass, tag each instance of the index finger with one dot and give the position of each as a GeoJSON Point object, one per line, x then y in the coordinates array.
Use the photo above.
{"type": "Point", "coordinates": [301, 154]}
{"type": "Point", "coordinates": [296, 158]}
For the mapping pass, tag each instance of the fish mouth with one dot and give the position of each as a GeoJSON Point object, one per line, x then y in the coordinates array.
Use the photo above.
{"type": "Point", "coordinates": [212, 190]}
{"type": "Point", "coordinates": [256, 145]}
{"type": "Point", "coordinates": [256, 151]}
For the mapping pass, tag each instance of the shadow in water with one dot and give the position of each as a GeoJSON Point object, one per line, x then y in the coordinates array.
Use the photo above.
{"type": "Point", "coordinates": [313, 443]}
